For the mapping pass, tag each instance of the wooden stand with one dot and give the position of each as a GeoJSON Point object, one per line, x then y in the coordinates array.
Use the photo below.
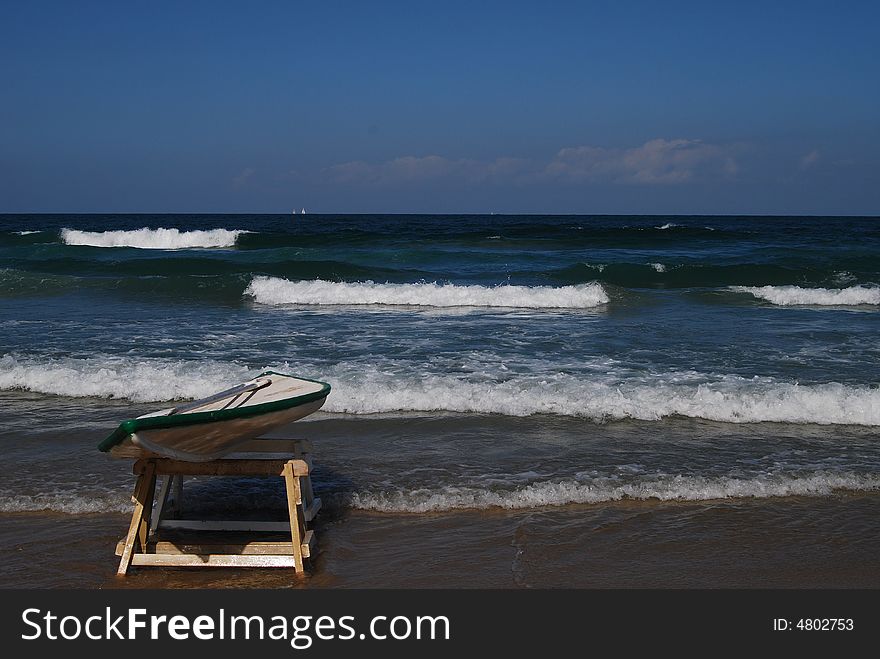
{"type": "Point", "coordinates": [144, 544]}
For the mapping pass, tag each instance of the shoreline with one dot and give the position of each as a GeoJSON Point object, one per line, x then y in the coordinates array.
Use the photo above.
{"type": "Point", "coordinates": [798, 542]}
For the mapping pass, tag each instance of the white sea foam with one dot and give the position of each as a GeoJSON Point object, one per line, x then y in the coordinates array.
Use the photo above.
{"type": "Point", "coordinates": [721, 398]}
{"type": "Point", "coordinates": [659, 267]}
{"type": "Point", "coordinates": [601, 490]}
{"type": "Point", "coordinates": [70, 502]}
{"type": "Point", "coordinates": [367, 389]}
{"type": "Point", "coordinates": [152, 238]}
{"type": "Point", "coordinates": [145, 380]}
{"type": "Point", "coordinates": [572, 491]}
{"type": "Point", "coordinates": [668, 225]}
{"type": "Point", "coordinates": [275, 291]}
{"type": "Point", "coordinates": [843, 278]}
{"type": "Point", "coordinates": [25, 233]}
{"type": "Point", "coordinates": [795, 295]}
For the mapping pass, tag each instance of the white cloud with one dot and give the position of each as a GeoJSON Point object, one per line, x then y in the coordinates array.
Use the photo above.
{"type": "Point", "coordinates": [657, 162]}
{"type": "Point", "coordinates": [809, 160]}
{"type": "Point", "coordinates": [242, 177]}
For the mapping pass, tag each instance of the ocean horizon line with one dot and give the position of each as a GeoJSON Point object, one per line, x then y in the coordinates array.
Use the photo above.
{"type": "Point", "coordinates": [429, 214]}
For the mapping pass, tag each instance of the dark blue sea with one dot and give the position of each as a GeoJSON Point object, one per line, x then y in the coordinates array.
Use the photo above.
{"type": "Point", "coordinates": [517, 400]}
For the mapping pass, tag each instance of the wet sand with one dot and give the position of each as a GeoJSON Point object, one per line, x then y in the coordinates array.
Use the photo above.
{"type": "Point", "coordinates": [793, 542]}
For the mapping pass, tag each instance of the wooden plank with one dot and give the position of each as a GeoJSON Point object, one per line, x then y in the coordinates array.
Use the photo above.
{"type": "Point", "coordinates": [162, 501]}
{"type": "Point", "coordinates": [287, 445]}
{"type": "Point", "coordinates": [144, 527]}
{"type": "Point", "coordinates": [244, 548]}
{"type": "Point", "coordinates": [278, 436]}
{"type": "Point", "coordinates": [311, 512]}
{"type": "Point", "coordinates": [306, 485]}
{"type": "Point", "coordinates": [308, 544]}
{"type": "Point", "coordinates": [177, 495]}
{"type": "Point", "coordinates": [260, 455]}
{"type": "Point", "coordinates": [140, 496]}
{"type": "Point", "coordinates": [223, 525]}
{"type": "Point", "coordinates": [214, 560]}
{"type": "Point", "coordinates": [225, 467]}
{"type": "Point", "coordinates": [294, 506]}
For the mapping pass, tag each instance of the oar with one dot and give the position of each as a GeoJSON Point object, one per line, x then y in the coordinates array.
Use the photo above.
{"type": "Point", "coordinates": [259, 383]}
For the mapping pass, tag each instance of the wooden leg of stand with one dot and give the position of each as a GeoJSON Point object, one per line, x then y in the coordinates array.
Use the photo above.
{"type": "Point", "coordinates": [177, 495]}
{"type": "Point", "coordinates": [143, 499]}
{"type": "Point", "coordinates": [163, 504]}
{"type": "Point", "coordinates": [308, 495]}
{"type": "Point", "coordinates": [294, 509]}
{"type": "Point", "coordinates": [144, 528]}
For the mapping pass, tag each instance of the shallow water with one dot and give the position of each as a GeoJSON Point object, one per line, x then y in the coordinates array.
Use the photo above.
{"type": "Point", "coordinates": [791, 543]}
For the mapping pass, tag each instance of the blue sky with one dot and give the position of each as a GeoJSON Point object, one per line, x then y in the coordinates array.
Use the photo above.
{"type": "Point", "coordinates": [584, 107]}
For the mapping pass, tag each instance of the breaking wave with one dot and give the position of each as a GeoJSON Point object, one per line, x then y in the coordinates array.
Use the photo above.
{"type": "Point", "coordinates": [71, 502]}
{"type": "Point", "coordinates": [362, 389]}
{"type": "Point", "coordinates": [275, 291]}
{"type": "Point", "coordinates": [148, 380]}
{"type": "Point", "coordinates": [795, 295]}
{"type": "Point", "coordinates": [572, 491]}
{"type": "Point", "coordinates": [729, 399]}
{"type": "Point", "coordinates": [602, 490]}
{"type": "Point", "coordinates": [146, 238]}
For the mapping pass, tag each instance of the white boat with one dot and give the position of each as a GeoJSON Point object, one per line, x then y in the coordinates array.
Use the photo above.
{"type": "Point", "coordinates": [303, 211]}
{"type": "Point", "coordinates": [211, 427]}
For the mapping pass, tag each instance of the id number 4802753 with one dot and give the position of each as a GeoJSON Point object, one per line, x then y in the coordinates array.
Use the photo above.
{"type": "Point", "coordinates": [813, 624]}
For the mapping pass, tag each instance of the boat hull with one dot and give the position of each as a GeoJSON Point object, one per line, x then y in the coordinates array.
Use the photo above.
{"type": "Point", "coordinates": [207, 441]}
{"type": "Point", "coordinates": [209, 428]}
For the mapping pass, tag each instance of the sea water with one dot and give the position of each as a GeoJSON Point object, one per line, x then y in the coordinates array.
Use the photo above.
{"type": "Point", "coordinates": [500, 366]}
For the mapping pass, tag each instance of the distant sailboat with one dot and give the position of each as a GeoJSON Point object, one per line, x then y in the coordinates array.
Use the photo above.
{"type": "Point", "coordinates": [303, 211]}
